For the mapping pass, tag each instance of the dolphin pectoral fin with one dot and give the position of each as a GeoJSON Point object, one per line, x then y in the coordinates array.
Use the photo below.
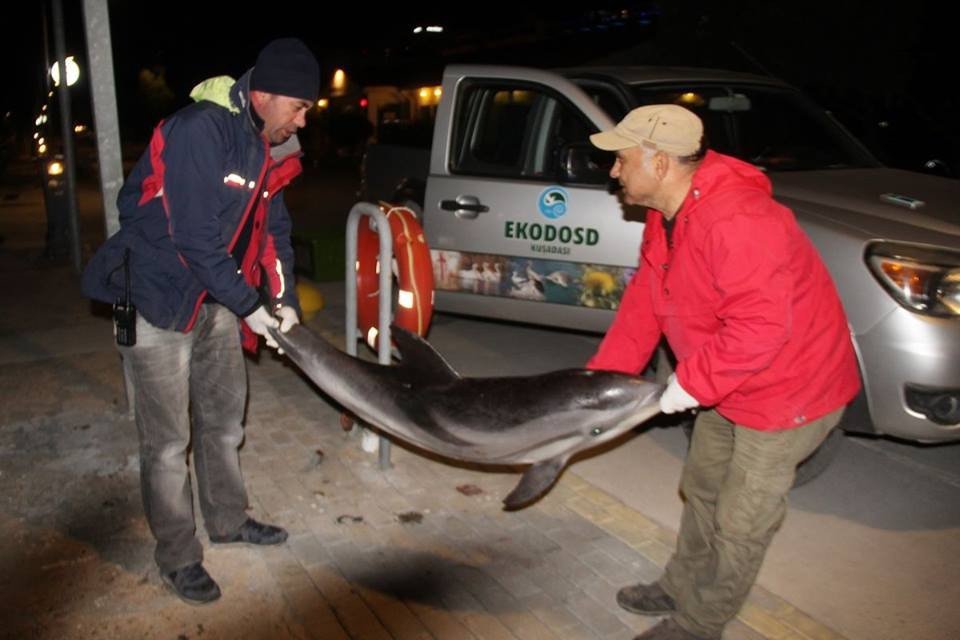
{"type": "Point", "coordinates": [535, 481]}
{"type": "Point", "coordinates": [420, 360]}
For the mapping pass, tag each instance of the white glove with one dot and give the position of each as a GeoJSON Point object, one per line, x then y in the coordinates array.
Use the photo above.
{"type": "Point", "coordinates": [675, 398]}
{"type": "Point", "coordinates": [288, 318]}
{"type": "Point", "coordinates": [261, 320]}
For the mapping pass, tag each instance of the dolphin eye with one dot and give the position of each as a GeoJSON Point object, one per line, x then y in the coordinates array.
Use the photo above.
{"type": "Point", "coordinates": [596, 431]}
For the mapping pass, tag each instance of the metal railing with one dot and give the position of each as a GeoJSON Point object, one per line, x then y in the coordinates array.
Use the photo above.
{"type": "Point", "coordinates": [377, 221]}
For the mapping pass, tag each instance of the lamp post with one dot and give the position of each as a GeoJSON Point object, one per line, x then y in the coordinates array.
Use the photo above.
{"type": "Point", "coordinates": [54, 177]}
{"type": "Point", "coordinates": [67, 132]}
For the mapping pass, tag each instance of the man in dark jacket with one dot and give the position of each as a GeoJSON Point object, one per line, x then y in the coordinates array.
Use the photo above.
{"type": "Point", "coordinates": [760, 337]}
{"type": "Point", "coordinates": [205, 241]}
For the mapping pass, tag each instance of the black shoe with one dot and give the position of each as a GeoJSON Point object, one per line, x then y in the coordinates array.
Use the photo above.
{"type": "Point", "coordinates": [667, 630]}
{"type": "Point", "coordinates": [192, 584]}
{"type": "Point", "coordinates": [253, 532]}
{"type": "Point", "coordinates": [646, 599]}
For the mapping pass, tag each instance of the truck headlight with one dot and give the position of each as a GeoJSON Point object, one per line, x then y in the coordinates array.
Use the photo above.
{"type": "Point", "coordinates": [922, 279]}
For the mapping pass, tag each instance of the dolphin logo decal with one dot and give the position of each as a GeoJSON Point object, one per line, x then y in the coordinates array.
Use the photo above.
{"type": "Point", "coordinates": [424, 402]}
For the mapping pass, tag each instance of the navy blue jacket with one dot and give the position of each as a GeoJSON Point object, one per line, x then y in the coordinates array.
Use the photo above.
{"type": "Point", "coordinates": [181, 211]}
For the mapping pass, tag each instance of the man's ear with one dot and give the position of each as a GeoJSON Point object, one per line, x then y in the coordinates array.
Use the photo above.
{"type": "Point", "coordinates": [258, 100]}
{"type": "Point", "coordinates": [661, 165]}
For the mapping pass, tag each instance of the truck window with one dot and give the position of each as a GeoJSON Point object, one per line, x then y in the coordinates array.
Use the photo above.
{"type": "Point", "coordinates": [775, 129]}
{"type": "Point", "coordinates": [605, 97]}
{"type": "Point", "coordinates": [517, 131]}
{"type": "Point", "coordinates": [490, 124]}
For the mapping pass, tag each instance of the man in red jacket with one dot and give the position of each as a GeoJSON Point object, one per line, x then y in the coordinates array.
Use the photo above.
{"type": "Point", "coordinates": [762, 345]}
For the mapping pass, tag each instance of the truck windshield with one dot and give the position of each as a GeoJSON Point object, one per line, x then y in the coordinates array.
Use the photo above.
{"type": "Point", "coordinates": [774, 129]}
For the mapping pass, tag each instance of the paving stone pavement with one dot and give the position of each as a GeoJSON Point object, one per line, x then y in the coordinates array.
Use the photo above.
{"type": "Point", "coordinates": [373, 554]}
{"type": "Point", "coordinates": [398, 553]}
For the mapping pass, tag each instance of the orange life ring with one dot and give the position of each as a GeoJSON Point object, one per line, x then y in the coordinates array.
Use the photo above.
{"type": "Point", "coordinates": [413, 269]}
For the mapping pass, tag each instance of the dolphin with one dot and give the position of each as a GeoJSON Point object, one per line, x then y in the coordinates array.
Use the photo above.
{"type": "Point", "coordinates": [539, 420]}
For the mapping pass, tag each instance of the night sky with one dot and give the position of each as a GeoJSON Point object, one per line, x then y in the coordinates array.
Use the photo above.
{"type": "Point", "coordinates": [842, 52]}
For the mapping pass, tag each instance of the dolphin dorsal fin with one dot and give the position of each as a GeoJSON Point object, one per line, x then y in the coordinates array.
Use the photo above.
{"type": "Point", "coordinates": [535, 481]}
{"type": "Point", "coordinates": [421, 361]}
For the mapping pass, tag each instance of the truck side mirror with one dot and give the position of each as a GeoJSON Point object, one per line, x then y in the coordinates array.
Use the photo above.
{"type": "Point", "coordinates": [583, 163]}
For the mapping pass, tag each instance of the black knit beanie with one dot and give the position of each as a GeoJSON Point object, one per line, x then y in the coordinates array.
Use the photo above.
{"type": "Point", "coordinates": [287, 67]}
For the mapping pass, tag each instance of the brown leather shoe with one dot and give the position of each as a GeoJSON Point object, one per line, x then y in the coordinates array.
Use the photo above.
{"type": "Point", "coordinates": [646, 599]}
{"type": "Point", "coordinates": [667, 630]}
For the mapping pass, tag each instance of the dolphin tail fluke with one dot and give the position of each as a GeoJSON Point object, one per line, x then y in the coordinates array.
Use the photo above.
{"type": "Point", "coordinates": [535, 482]}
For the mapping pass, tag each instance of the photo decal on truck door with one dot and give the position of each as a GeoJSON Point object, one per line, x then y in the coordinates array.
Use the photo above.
{"type": "Point", "coordinates": [577, 284]}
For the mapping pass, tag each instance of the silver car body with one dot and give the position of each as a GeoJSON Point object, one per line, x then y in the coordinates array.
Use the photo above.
{"type": "Point", "coordinates": [488, 261]}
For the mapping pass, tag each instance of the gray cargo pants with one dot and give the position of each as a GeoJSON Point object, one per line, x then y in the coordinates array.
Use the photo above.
{"type": "Point", "coordinates": [176, 376]}
{"type": "Point", "coordinates": [735, 482]}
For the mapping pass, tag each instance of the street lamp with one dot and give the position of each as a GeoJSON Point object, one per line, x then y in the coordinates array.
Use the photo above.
{"type": "Point", "coordinates": [339, 83]}
{"type": "Point", "coordinates": [73, 72]}
{"type": "Point", "coordinates": [69, 74]}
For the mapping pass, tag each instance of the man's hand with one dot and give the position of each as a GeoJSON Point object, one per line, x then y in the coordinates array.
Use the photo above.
{"type": "Point", "coordinates": [261, 320]}
{"type": "Point", "coordinates": [675, 398]}
{"type": "Point", "coordinates": [288, 318]}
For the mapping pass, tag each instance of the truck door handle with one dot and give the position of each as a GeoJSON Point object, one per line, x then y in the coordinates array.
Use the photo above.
{"type": "Point", "coordinates": [464, 206]}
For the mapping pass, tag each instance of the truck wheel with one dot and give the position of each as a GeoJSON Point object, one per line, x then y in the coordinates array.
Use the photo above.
{"type": "Point", "coordinates": [410, 194]}
{"type": "Point", "coordinates": [413, 206]}
{"type": "Point", "coordinates": [815, 464]}
{"type": "Point", "coordinates": [818, 461]}
{"type": "Point", "coordinates": [400, 199]}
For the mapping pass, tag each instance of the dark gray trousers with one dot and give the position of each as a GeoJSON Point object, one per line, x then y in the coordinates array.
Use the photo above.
{"type": "Point", "coordinates": [176, 376]}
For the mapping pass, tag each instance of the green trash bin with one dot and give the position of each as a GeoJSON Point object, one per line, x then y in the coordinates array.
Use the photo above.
{"type": "Point", "coordinates": [319, 254]}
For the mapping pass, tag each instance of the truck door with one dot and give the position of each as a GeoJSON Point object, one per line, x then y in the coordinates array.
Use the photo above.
{"type": "Point", "coordinates": [518, 212]}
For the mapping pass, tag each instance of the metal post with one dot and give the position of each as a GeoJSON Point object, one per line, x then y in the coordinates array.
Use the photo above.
{"type": "Point", "coordinates": [67, 129]}
{"type": "Point", "coordinates": [100, 59]}
{"type": "Point", "coordinates": [96, 19]}
{"type": "Point", "coordinates": [359, 211]}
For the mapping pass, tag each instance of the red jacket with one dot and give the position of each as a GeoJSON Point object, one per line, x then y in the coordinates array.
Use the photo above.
{"type": "Point", "coordinates": [745, 302]}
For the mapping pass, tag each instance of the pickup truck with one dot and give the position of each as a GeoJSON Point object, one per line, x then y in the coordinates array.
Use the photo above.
{"type": "Point", "coordinates": [518, 212]}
